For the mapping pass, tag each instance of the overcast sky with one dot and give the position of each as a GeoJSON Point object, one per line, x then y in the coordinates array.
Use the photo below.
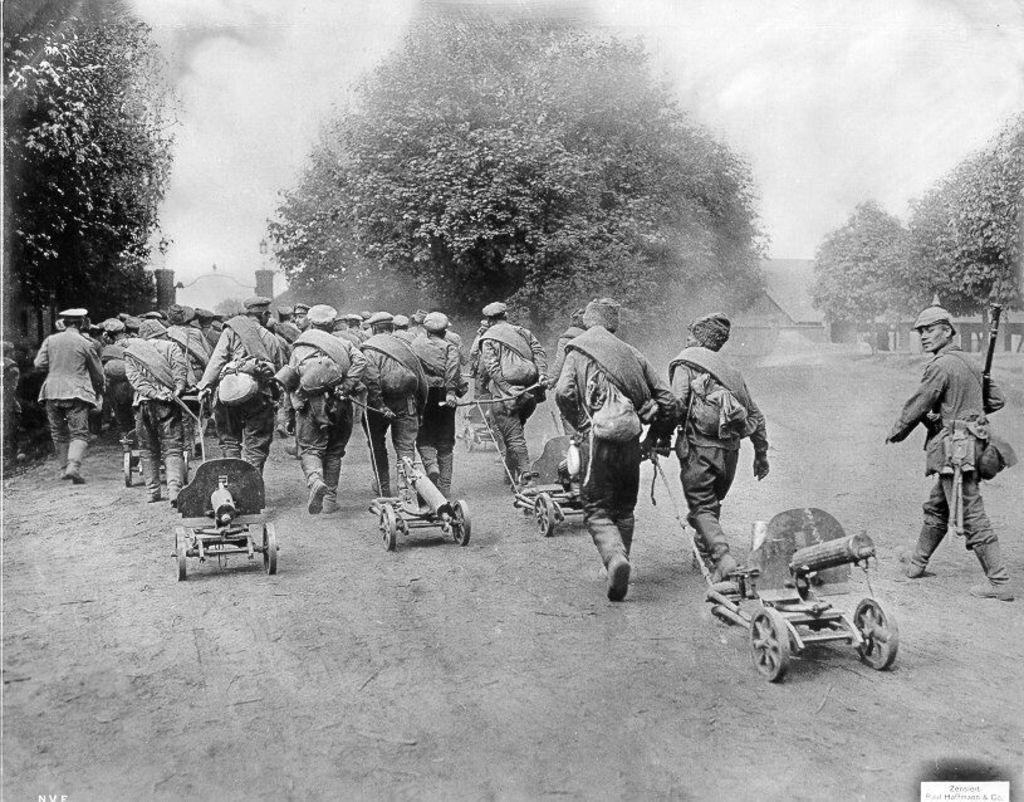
{"type": "Point", "coordinates": [831, 101]}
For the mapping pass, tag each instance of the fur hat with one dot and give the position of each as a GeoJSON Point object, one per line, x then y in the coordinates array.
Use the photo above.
{"type": "Point", "coordinates": [602, 312]}
{"type": "Point", "coordinates": [711, 331]}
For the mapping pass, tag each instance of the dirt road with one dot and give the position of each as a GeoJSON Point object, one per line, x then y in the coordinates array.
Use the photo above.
{"type": "Point", "coordinates": [499, 670]}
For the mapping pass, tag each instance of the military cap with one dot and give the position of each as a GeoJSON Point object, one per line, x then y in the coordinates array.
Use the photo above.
{"type": "Point", "coordinates": [321, 314]}
{"type": "Point", "coordinates": [401, 322]}
{"type": "Point", "coordinates": [436, 322]}
{"type": "Point", "coordinates": [301, 309]}
{"type": "Point", "coordinates": [156, 314]}
{"type": "Point", "coordinates": [178, 315]}
{"type": "Point", "coordinates": [74, 312]}
{"type": "Point", "coordinates": [112, 325]}
{"type": "Point", "coordinates": [495, 309]}
{"type": "Point", "coordinates": [418, 316]}
{"type": "Point", "coordinates": [285, 310]}
{"type": "Point", "coordinates": [204, 314]}
{"type": "Point", "coordinates": [123, 316]}
{"type": "Point", "coordinates": [352, 317]}
{"type": "Point", "coordinates": [132, 323]}
{"type": "Point", "coordinates": [932, 315]}
{"type": "Point", "coordinates": [380, 317]}
{"type": "Point", "coordinates": [151, 328]}
{"type": "Point", "coordinates": [366, 314]}
{"type": "Point", "coordinates": [256, 302]}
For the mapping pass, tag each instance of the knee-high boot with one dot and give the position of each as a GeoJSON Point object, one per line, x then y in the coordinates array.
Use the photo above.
{"type": "Point", "coordinates": [151, 472]}
{"type": "Point", "coordinates": [929, 540]}
{"type": "Point", "coordinates": [62, 458]}
{"type": "Point", "coordinates": [998, 585]}
{"type": "Point", "coordinates": [313, 468]}
{"type": "Point", "coordinates": [175, 467]}
{"type": "Point", "coordinates": [76, 453]}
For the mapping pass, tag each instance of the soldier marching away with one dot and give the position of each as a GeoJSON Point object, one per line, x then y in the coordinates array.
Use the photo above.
{"type": "Point", "coordinates": [241, 369]}
{"type": "Point", "coordinates": [323, 373]}
{"type": "Point", "coordinates": [396, 394]}
{"type": "Point", "coordinates": [441, 364]}
{"type": "Point", "coordinates": [157, 370]}
{"type": "Point", "coordinates": [599, 370]}
{"type": "Point", "coordinates": [118, 396]}
{"type": "Point", "coordinates": [952, 405]}
{"type": "Point", "coordinates": [718, 412]}
{"type": "Point", "coordinates": [73, 385]}
{"type": "Point", "coordinates": [514, 367]}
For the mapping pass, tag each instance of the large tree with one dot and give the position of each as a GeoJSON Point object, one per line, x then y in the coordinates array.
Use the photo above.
{"type": "Point", "coordinates": [858, 264]}
{"type": "Point", "coordinates": [87, 154]}
{"type": "Point", "coordinates": [522, 159]}
{"type": "Point", "coordinates": [966, 231]}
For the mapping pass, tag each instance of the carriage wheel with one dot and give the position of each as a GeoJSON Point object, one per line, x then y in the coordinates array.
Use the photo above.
{"type": "Point", "coordinates": [126, 467]}
{"type": "Point", "coordinates": [769, 643]}
{"type": "Point", "coordinates": [180, 547]}
{"type": "Point", "coordinates": [461, 525]}
{"type": "Point", "coordinates": [270, 548]}
{"type": "Point", "coordinates": [388, 525]}
{"type": "Point", "coordinates": [544, 513]}
{"type": "Point", "coordinates": [880, 633]}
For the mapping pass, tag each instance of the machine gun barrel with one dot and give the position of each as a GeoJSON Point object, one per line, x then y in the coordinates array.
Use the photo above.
{"type": "Point", "coordinates": [830, 554]}
{"type": "Point", "coordinates": [426, 489]}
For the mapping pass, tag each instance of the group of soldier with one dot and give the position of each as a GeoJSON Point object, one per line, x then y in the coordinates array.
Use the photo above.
{"type": "Point", "coordinates": [315, 372]}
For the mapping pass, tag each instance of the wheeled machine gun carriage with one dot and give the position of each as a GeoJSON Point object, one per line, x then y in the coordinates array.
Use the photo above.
{"type": "Point", "coordinates": [555, 493]}
{"type": "Point", "coordinates": [222, 512]}
{"type": "Point", "coordinates": [799, 557]}
{"type": "Point", "coordinates": [419, 505]}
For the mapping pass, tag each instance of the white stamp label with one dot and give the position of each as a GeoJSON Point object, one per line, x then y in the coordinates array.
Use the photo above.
{"type": "Point", "coordinates": [991, 791]}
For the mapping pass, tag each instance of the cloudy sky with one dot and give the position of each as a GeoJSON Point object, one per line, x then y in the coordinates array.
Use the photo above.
{"type": "Point", "coordinates": [831, 101]}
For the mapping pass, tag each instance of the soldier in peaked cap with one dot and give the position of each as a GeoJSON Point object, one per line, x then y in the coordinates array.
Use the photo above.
{"type": "Point", "coordinates": [244, 409]}
{"type": "Point", "coordinates": [710, 391]}
{"type": "Point", "coordinates": [118, 397]}
{"type": "Point", "coordinates": [299, 318]}
{"type": "Point", "coordinates": [952, 405]}
{"type": "Point", "coordinates": [196, 349]}
{"type": "Point", "coordinates": [323, 373]}
{"type": "Point", "coordinates": [402, 332]}
{"type": "Point", "coordinates": [512, 361]}
{"type": "Point", "coordinates": [157, 369]}
{"type": "Point", "coordinates": [436, 438]}
{"type": "Point", "coordinates": [73, 385]}
{"type": "Point", "coordinates": [396, 394]}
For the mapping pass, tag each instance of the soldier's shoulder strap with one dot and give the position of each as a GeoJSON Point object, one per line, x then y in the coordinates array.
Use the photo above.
{"type": "Point", "coordinates": [248, 331]}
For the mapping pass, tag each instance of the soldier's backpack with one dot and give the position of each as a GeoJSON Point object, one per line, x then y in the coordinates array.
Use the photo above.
{"type": "Point", "coordinates": [616, 420]}
{"type": "Point", "coordinates": [714, 410]}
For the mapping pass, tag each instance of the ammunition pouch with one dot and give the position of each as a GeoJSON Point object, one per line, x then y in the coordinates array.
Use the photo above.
{"type": "Point", "coordinates": [962, 444]}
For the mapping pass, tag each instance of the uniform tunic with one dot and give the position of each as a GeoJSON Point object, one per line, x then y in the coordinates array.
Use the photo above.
{"type": "Point", "coordinates": [951, 389]}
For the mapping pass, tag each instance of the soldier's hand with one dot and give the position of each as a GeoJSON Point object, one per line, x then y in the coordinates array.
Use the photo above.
{"type": "Point", "coordinates": [204, 396]}
{"type": "Point", "coordinates": [450, 400]}
{"type": "Point", "coordinates": [760, 466]}
{"type": "Point", "coordinates": [387, 413]}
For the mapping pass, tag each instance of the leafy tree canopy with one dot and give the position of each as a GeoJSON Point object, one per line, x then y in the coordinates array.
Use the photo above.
{"type": "Point", "coordinates": [856, 265]}
{"type": "Point", "coordinates": [87, 155]}
{"type": "Point", "coordinates": [519, 159]}
{"type": "Point", "coordinates": [966, 231]}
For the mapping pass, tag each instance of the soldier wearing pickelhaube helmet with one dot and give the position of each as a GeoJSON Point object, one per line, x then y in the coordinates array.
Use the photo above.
{"type": "Point", "coordinates": [74, 381]}
{"type": "Point", "coordinates": [952, 405]}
